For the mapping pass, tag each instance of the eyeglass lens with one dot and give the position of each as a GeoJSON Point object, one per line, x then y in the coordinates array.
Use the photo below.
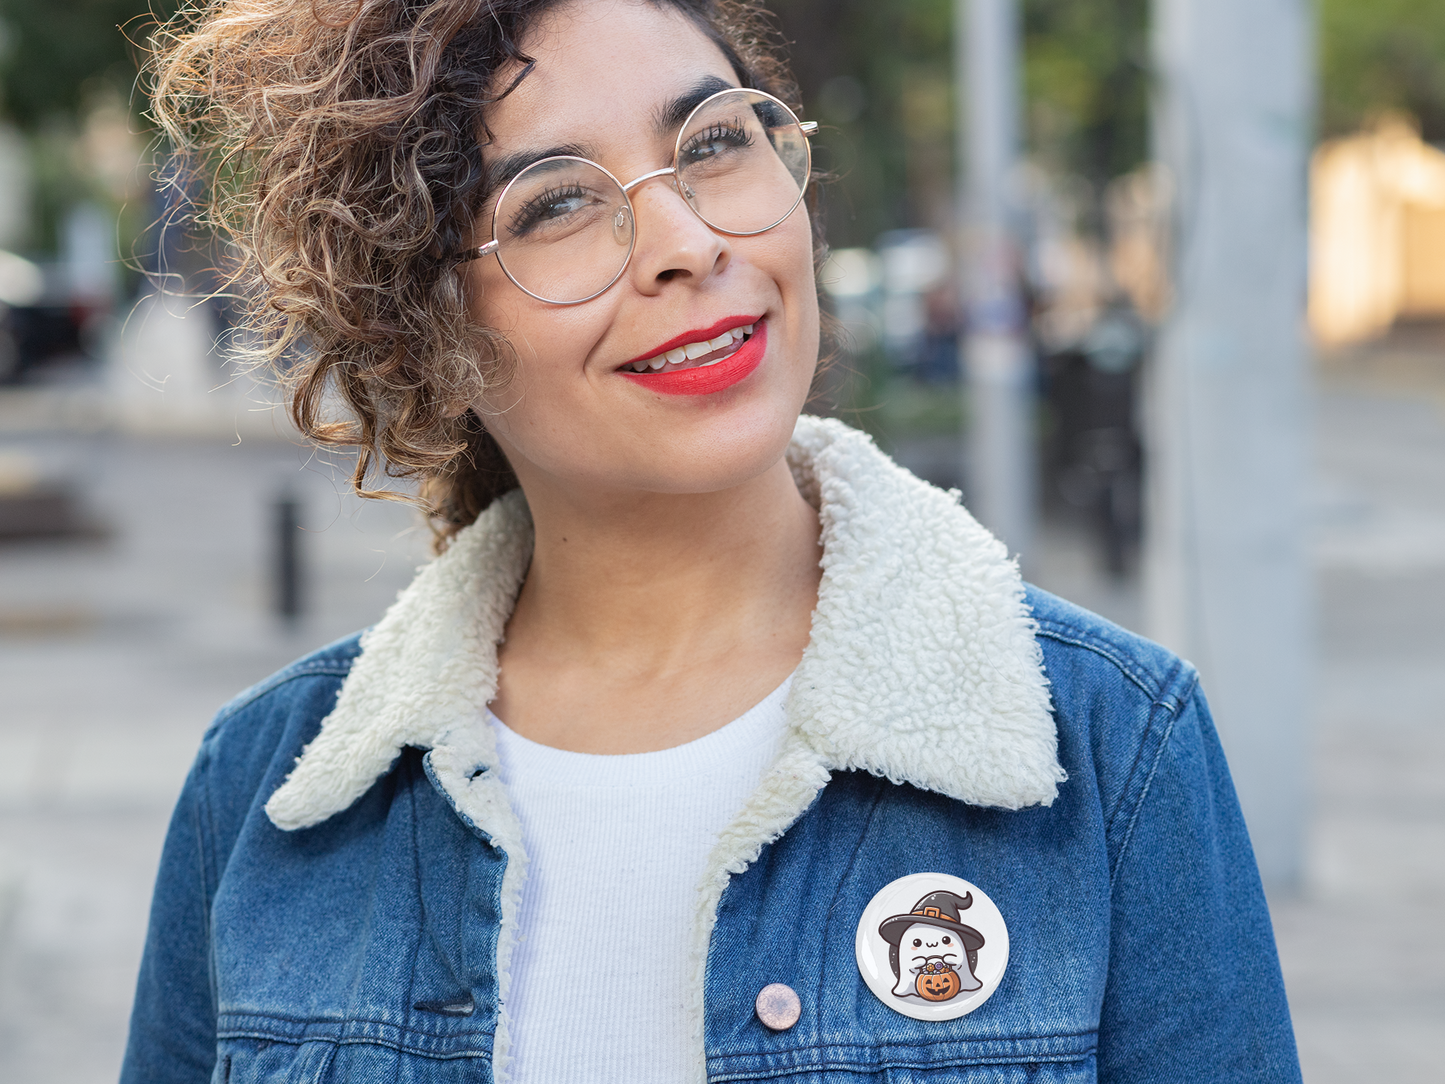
{"type": "Point", "coordinates": [564, 226]}
{"type": "Point", "coordinates": [564, 229]}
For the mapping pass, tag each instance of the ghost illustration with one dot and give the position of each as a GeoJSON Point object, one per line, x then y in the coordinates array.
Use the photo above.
{"type": "Point", "coordinates": [934, 949]}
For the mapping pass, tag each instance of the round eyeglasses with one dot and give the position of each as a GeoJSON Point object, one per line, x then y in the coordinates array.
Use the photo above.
{"type": "Point", "coordinates": [563, 229]}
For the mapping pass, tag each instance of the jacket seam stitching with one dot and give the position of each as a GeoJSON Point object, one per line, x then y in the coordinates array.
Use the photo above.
{"type": "Point", "coordinates": [426, 927]}
{"type": "Point", "coordinates": [790, 1073]}
{"type": "Point", "coordinates": [248, 1023]}
{"type": "Point", "coordinates": [322, 1069]}
{"type": "Point", "coordinates": [1138, 805]}
{"type": "Point", "coordinates": [359, 1040]}
{"type": "Point", "coordinates": [1070, 1055]}
{"type": "Point", "coordinates": [329, 669]}
{"type": "Point", "coordinates": [1089, 1034]}
{"type": "Point", "coordinates": [206, 834]}
{"type": "Point", "coordinates": [1145, 681]}
{"type": "Point", "coordinates": [1166, 703]}
{"type": "Point", "coordinates": [882, 1060]}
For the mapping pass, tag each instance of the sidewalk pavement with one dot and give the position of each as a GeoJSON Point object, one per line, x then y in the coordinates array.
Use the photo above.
{"type": "Point", "coordinates": [114, 654]}
{"type": "Point", "coordinates": [1363, 946]}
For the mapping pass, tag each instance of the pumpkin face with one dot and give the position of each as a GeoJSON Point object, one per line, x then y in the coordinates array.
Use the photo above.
{"type": "Point", "coordinates": [938, 985]}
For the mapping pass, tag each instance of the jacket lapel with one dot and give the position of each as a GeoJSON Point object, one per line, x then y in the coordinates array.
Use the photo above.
{"type": "Point", "coordinates": [922, 664]}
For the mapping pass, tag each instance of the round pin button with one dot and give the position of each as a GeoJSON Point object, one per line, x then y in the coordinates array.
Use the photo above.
{"type": "Point", "coordinates": [778, 1006]}
{"type": "Point", "coordinates": [932, 946]}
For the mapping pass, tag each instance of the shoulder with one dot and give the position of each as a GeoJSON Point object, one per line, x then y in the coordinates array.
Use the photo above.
{"type": "Point", "coordinates": [1121, 704]}
{"type": "Point", "coordinates": [333, 662]}
{"type": "Point", "coordinates": [255, 739]}
{"type": "Point", "coordinates": [1081, 648]}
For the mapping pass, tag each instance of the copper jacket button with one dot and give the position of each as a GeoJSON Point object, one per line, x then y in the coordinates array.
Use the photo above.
{"type": "Point", "coordinates": [778, 1006]}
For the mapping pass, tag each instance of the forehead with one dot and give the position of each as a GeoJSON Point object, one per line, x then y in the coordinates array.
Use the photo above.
{"type": "Point", "coordinates": [601, 66]}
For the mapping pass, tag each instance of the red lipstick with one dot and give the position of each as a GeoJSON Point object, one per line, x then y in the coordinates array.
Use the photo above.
{"type": "Point", "coordinates": [727, 323]}
{"type": "Point", "coordinates": [706, 379]}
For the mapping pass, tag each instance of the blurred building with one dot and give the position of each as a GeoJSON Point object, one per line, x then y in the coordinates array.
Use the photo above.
{"type": "Point", "coordinates": [1377, 233]}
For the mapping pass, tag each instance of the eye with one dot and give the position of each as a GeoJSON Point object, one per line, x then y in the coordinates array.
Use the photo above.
{"type": "Point", "coordinates": [714, 140]}
{"type": "Point", "coordinates": [947, 940]}
{"type": "Point", "coordinates": [557, 211]}
{"type": "Point", "coordinates": [917, 942]}
{"type": "Point", "coordinates": [550, 207]}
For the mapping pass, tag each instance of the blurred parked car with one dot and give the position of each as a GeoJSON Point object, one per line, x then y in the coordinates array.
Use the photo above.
{"type": "Point", "coordinates": [42, 323]}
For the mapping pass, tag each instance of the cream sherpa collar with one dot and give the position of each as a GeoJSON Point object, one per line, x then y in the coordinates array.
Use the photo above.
{"type": "Point", "coordinates": [922, 666]}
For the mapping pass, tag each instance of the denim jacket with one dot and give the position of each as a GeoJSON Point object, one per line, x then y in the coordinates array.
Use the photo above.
{"type": "Point", "coordinates": [338, 893]}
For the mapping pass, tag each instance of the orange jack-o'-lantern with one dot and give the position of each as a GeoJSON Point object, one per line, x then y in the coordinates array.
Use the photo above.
{"type": "Point", "coordinates": [937, 985]}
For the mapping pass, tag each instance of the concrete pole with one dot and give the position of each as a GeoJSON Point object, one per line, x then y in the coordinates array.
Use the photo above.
{"type": "Point", "coordinates": [996, 359]}
{"type": "Point", "coordinates": [1226, 577]}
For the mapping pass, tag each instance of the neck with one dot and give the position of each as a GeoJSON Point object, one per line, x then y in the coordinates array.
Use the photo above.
{"type": "Point", "coordinates": [656, 574]}
{"type": "Point", "coordinates": [643, 599]}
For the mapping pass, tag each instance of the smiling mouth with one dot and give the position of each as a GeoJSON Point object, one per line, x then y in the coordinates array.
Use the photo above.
{"type": "Point", "coordinates": [698, 355]}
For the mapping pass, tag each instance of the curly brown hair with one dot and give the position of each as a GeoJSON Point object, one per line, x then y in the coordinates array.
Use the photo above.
{"type": "Point", "coordinates": [340, 144]}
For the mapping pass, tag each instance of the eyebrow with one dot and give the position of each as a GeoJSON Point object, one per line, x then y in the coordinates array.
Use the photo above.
{"type": "Point", "coordinates": [672, 113]}
{"type": "Point", "coordinates": [665, 118]}
{"type": "Point", "coordinates": [504, 169]}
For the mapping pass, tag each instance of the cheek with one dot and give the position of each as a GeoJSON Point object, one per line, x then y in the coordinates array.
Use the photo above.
{"type": "Point", "coordinates": [547, 345]}
{"type": "Point", "coordinates": [785, 255]}
{"type": "Point", "coordinates": [494, 302]}
{"type": "Point", "coordinates": [795, 256]}
{"type": "Point", "coordinates": [802, 287]}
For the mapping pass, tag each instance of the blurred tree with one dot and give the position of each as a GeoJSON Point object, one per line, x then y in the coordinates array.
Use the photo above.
{"type": "Point", "coordinates": [55, 54]}
{"type": "Point", "coordinates": [880, 77]}
{"type": "Point", "coordinates": [1086, 81]}
{"type": "Point", "coordinates": [877, 77]}
{"type": "Point", "coordinates": [67, 79]}
{"type": "Point", "coordinates": [1382, 54]}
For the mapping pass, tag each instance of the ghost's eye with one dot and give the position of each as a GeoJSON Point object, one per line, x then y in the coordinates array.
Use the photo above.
{"type": "Point", "coordinates": [917, 942]}
{"type": "Point", "coordinates": [947, 940]}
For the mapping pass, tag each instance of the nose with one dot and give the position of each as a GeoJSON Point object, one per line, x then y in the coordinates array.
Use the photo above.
{"type": "Point", "coordinates": [673, 243]}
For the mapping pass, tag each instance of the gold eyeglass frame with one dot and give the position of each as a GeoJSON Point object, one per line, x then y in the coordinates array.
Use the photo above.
{"type": "Point", "coordinates": [492, 247]}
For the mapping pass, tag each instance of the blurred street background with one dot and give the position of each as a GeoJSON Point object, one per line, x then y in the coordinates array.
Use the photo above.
{"type": "Point", "coordinates": [166, 539]}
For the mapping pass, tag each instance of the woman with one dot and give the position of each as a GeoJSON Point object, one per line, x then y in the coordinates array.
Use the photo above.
{"type": "Point", "coordinates": [713, 744]}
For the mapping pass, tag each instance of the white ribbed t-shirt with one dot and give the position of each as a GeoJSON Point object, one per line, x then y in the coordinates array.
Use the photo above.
{"type": "Point", "coordinates": [617, 846]}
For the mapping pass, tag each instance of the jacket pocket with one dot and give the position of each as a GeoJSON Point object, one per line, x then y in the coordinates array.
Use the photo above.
{"type": "Point", "coordinates": [920, 1063]}
{"type": "Point", "coordinates": [1071, 1072]}
{"type": "Point", "coordinates": [263, 1061]}
{"type": "Point", "coordinates": [344, 1061]}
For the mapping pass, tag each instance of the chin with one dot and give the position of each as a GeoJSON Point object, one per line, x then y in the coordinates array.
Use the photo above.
{"type": "Point", "coordinates": [707, 447]}
{"type": "Point", "coordinates": [718, 452]}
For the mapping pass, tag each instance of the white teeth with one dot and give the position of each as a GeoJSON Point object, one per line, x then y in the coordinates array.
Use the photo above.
{"type": "Point", "coordinates": [693, 351]}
